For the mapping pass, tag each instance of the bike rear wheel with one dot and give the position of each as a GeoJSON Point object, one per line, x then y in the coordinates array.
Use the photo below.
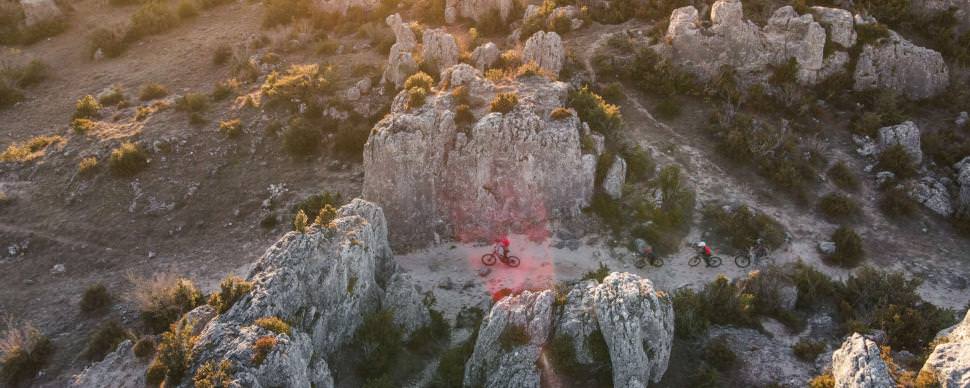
{"type": "Point", "coordinates": [742, 260]}
{"type": "Point", "coordinates": [658, 262]}
{"type": "Point", "coordinates": [714, 262]}
{"type": "Point", "coordinates": [488, 259]}
{"type": "Point", "coordinates": [513, 261]}
{"type": "Point", "coordinates": [767, 260]}
{"type": "Point", "coordinates": [640, 263]}
{"type": "Point", "coordinates": [694, 261]}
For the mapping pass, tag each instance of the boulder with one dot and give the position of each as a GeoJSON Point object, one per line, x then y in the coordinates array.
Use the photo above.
{"type": "Point", "coordinates": [637, 322]}
{"type": "Point", "coordinates": [509, 172]}
{"type": "Point", "coordinates": [40, 11]}
{"type": "Point", "coordinates": [440, 49]}
{"type": "Point", "coordinates": [484, 56]}
{"type": "Point", "coordinates": [578, 319]}
{"type": "Point", "coordinates": [933, 194]}
{"type": "Point", "coordinates": [478, 10]}
{"type": "Point", "coordinates": [403, 34]}
{"type": "Point", "coordinates": [858, 364]}
{"type": "Point", "coordinates": [838, 23]}
{"type": "Point", "coordinates": [905, 134]}
{"type": "Point", "coordinates": [949, 362]}
{"type": "Point", "coordinates": [119, 369]}
{"type": "Point", "coordinates": [491, 365]}
{"type": "Point", "coordinates": [400, 60]}
{"type": "Point", "coordinates": [897, 64]}
{"type": "Point", "coordinates": [546, 50]}
{"type": "Point", "coordinates": [615, 178]}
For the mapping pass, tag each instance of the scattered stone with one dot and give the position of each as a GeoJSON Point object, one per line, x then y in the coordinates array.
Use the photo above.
{"type": "Point", "coordinates": [826, 247]}
{"type": "Point", "coordinates": [884, 177]}
{"type": "Point", "coordinates": [962, 119]}
{"type": "Point", "coordinates": [484, 271]}
{"type": "Point", "coordinates": [58, 269]}
{"type": "Point", "coordinates": [866, 146]}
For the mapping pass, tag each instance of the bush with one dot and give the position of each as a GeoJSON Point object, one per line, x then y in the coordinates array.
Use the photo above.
{"type": "Point", "coordinates": [154, 17]}
{"type": "Point", "coordinates": [212, 375]}
{"type": "Point", "coordinates": [896, 203]}
{"type": "Point", "coordinates": [563, 357]}
{"type": "Point", "coordinates": [512, 336]}
{"type": "Point", "coordinates": [87, 107]}
{"type": "Point", "coordinates": [221, 55]}
{"type": "Point", "coordinates": [87, 166]}
{"type": "Point", "coordinates": [416, 98]}
{"type": "Point", "coordinates": [726, 305]}
{"type": "Point", "coordinates": [186, 9]}
{"type": "Point", "coordinates": [379, 343]}
{"type": "Point", "coordinates": [843, 177]}
{"type": "Point", "coordinates": [743, 227]}
{"type": "Point", "coordinates": [639, 163]}
{"type": "Point", "coordinates": [300, 139]}
{"type": "Point", "coordinates": [9, 95]}
{"type": "Point", "coordinates": [504, 102]}
{"type": "Point", "coordinates": [95, 298]}
{"type": "Point", "coordinates": [561, 113]}
{"type": "Point", "coordinates": [316, 203]}
{"type": "Point", "coordinates": [451, 366]}
{"type": "Point", "coordinates": [282, 12]}
{"type": "Point", "coordinates": [419, 80]}
{"type": "Point", "coordinates": [29, 150]}
{"type": "Point", "coordinates": [813, 286]}
{"type": "Point", "coordinates": [192, 103]}
{"type": "Point", "coordinates": [144, 347]}
{"type": "Point", "coordinates": [114, 97]}
{"type": "Point", "coordinates": [654, 75]}
{"type": "Point", "coordinates": [231, 289]}
{"type": "Point", "coordinates": [595, 111]}
{"type": "Point", "coordinates": [808, 350]}
{"type": "Point", "coordinates": [274, 324]}
{"type": "Point", "coordinates": [111, 43]}
{"type": "Point", "coordinates": [848, 247]}
{"type": "Point", "coordinates": [718, 354]}
{"type": "Point", "coordinates": [263, 347]}
{"type": "Point", "coordinates": [599, 274]}
{"type": "Point", "coordinates": [151, 91]}
{"type": "Point", "coordinates": [162, 300]}
{"type": "Point", "coordinates": [231, 128]}
{"type": "Point", "coordinates": [175, 352]}
{"type": "Point", "coordinates": [298, 83]}
{"type": "Point", "coordinates": [690, 318]}
{"type": "Point", "coordinates": [825, 380]}
{"type": "Point", "coordinates": [896, 160]}
{"type": "Point", "coordinates": [127, 160]}
{"type": "Point", "coordinates": [871, 33]}
{"type": "Point", "coordinates": [105, 340]}
{"type": "Point", "coordinates": [25, 76]}
{"type": "Point", "coordinates": [705, 376]}
{"type": "Point", "coordinates": [464, 115]}
{"type": "Point", "coordinates": [300, 222]}
{"type": "Point", "coordinates": [838, 207]}
{"type": "Point", "coordinates": [24, 350]}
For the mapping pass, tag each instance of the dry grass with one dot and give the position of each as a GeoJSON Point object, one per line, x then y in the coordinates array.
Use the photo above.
{"type": "Point", "coordinates": [23, 352]}
{"type": "Point", "coordinates": [30, 149]}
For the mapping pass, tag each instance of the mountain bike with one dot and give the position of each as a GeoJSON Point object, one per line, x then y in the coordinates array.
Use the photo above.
{"type": "Point", "coordinates": [712, 261]}
{"type": "Point", "coordinates": [491, 258]}
{"type": "Point", "coordinates": [758, 252]}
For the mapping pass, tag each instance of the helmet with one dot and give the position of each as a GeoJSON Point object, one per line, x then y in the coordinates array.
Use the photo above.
{"type": "Point", "coordinates": [701, 244]}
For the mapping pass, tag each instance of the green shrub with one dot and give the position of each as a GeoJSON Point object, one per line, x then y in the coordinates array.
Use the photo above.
{"type": "Point", "coordinates": [152, 91]}
{"type": "Point", "coordinates": [282, 12]}
{"type": "Point", "coordinates": [95, 298]}
{"type": "Point", "coordinates": [843, 177]}
{"type": "Point", "coordinates": [743, 227]}
{"type": "Point", "coordinates": [127, 160]}
{"type": "Point", "coordinates": [563, 356]}
{"type": "Point", "coordinates": [814, 287]}
{"type": "Point", "coordinates": [114, 97]}
{"type": "Point", "coordinates": [427, 338]}
{"type": "Point", "coordinates": [87, 107]}
{"type": "Point", "coordinates": [808, 350]}
{"type": "Point", "coordinates": [379, 343]}
{"type": "Point", "coordinates": [664, 227]}
{"type": "Point", "coordinates": [655, 75]}
{"type": "Point", "coordinates": [212, 375]}
{"type": "Point", "coordinates": [24, 350]}
{"type": "Point", "coordinates": [464, 115]}
{"type": "Point", "coordinates": [274, 324]}
{"type": "Point", "coordinates": [726, 305]}
{"type": "Point", "coordinates": [9, 95]}
{"type": "Point", "coordinates": [896, 160]}
{"type": "Point", "coordinates": [186, 9]}
{"type": "Point", "coordinates": [298, 83]}
{"type": "Point", "coordinates": [225, 89]}
{"type": "Point", "coordinates": [144, 347]}
{"type": "Point", "coordinates": [416, 98]}
{"type": "Point", "coordinates": [668, 108]}
{"type": "Point", "coordinates": [231, 289]}
{"type": "Point", "coordinates": [895, 202]}
{"type": "Point", "coordinates": [111, 42]}
{"type": "Point", "coordinates": [105, 340]}
{"type": "Point", "coordinates": [315, 203]}
{"type": "Point", "coordinates": [639, 163]}
{"type": "Point", "coordinates": [595, 111]}
{"type": "Point", "coordinates": [419, 80]}
{"type": "Point", "coordinates": [192, 103]}
{"type": "Point", "coordinates": [705, 376]}
{"type": "Point", "coordinates": [263, 347]}
{"type": "Point", "coordinates": [946, 146]}
{"type": "Point", "coordinates": [163, 300]}
{"type": "Point", "coordinates": [155, 374]}
{"type": "Point", "coordinates": [222, 54]}
{"type": "Point", "coordinates": [300, 222]}
{"type": "Point", "coordinates": [838, 207]}
{"type": "Point", "coordinates": [599, 274]}
{"type": "Point", "coordinates": [24, 76]}
{"type": "Point", "coordinates": [154, 17]}
{"type": "Point", "coordinates": [451, 366]}
{"type": "Point", "coordinates": [300, 139]}
{"type": "Point", "coordinates": [848, 248]}
{"type": "Point", "coordinates": [175, 352]}
{"type": "Point", "coordinates": [690, 317]}
{"type": "Point", "coordinates": [512, 336]}
{"type": "Point", "coordinates": [871, 33]}
{"type": "Point", "coordinates": [326, 215]}
{"type": "Point", "coordinates": [718, 354]}
{"type": "Point", "coordinates": [504, 102]}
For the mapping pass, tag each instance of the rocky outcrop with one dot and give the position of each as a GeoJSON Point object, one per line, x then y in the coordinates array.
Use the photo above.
{"type": "Point", "coordinates": [484, 56]}
{"type": "Point", "coordinates": [40, 11]}
{"type": "Point", "coordinates": [637, 322]}
{"type": "Point", "coordinates": [341, 6]}
{"type": "Point", "coordinates": [905, 134]}
{"type": "Point", "coordinates": [897, 64]}
{"type": "Point", "coordinates": [546, 50]}
{"type": "Point", "coordinates": [477, 10]}
{"type": "Point", "coordinates": [963, 178]}
{"type": "Point", "coordinates": [857, 364]}
{"type": "Point", "coordinates": [491, 364]}
{"type": "Point", "coordinates": [933, 194]}
{"type": "Point", "coordinates": [615, 178]}
{"type": "Point", "coordinates": [511, 171]}
{"type": "Point", "coordinates": [440, 50]}
{"type": "Point", "coordinates": [405, 299]}
{"type": "Point", "coordinates": [119, 369]}
{"type": "Point", "coordinates": [949, 362]}
{"type": "Point", "coordinates": [838, 23]}
{"type": "Point", "coordinates": [400, 60]}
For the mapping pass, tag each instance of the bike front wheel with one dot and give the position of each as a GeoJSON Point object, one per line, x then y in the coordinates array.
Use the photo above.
{"type": "Point", "coordinates": [714, 262]}
{"type": "Point", "coordinates": [513, 261]}
{"type": "Point", "coordinates": [640, 263]}
{"type": "Point", "coordinates": [764, 261]}
{"type": "Point", "coordinates": [658, 262]}
{"type": "Point", "coordinates": [742, 261]}
{"type": "Point", "coordinates": [488, 259]}
{"type": "Point", "coordinates": [694, 261]}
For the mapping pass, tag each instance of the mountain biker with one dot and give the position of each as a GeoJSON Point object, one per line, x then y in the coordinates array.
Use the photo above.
{"type": "Point", "coordinates": [502, 247]}
{"type": "Point", "coordinates": [705, 251]}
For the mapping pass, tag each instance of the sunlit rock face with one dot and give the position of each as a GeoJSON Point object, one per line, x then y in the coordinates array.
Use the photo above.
{"type": "Point", "coordinates": [477, 10]}
{"type": "Point", "coordinates": [949, 362]}
{"type": "Point", "coordinates": [857, 364]}
{"type": "Point", "coordinates": [498, 173]}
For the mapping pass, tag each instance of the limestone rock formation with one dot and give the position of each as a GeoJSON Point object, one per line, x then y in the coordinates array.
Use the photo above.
{"type": "Point", "coordinates": [400, 61]}
{"type": "Point", "coordinates": [484, 56]}
{"type": "Point", "coordinates": [963, 178]}
{"type": "Point", "coordinates": [491, 365]}
{"type": "Point", "coordinates": [477, 10]}
{"type": "Point", "coordinates": [905, 134]}
{"type": "Point", "coordinates": [615, 178]}
{"type": "Point", "coordinates": [578, 319]}
{"type": "Point", "coordinates": [839, 24]}
{"type": "Point", "coordinates": [546, 50]}
{"type": "Point", "coordinates": [897, 64]}
{"type": "Point", "coordinates": [341, 6]}
{"type": "Point", "coordinates": [511, 171]}
{"type": "Point", "coordinates": [40, 11]}
{"type": "Point", "coordinates": [950, 361]}
{"type": "Point", "coordinates": [439, 49]}
{"type": "Point", "coordinates": [857, 364]}
{"type": "Point", "coordinates": [637, 322]}
{"type": "Point", "coordinates": [933, 194]}
{"type": "Point", "coordinates": [119, 369]}
{"type": "Point", "coordinates": [405, 300]}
